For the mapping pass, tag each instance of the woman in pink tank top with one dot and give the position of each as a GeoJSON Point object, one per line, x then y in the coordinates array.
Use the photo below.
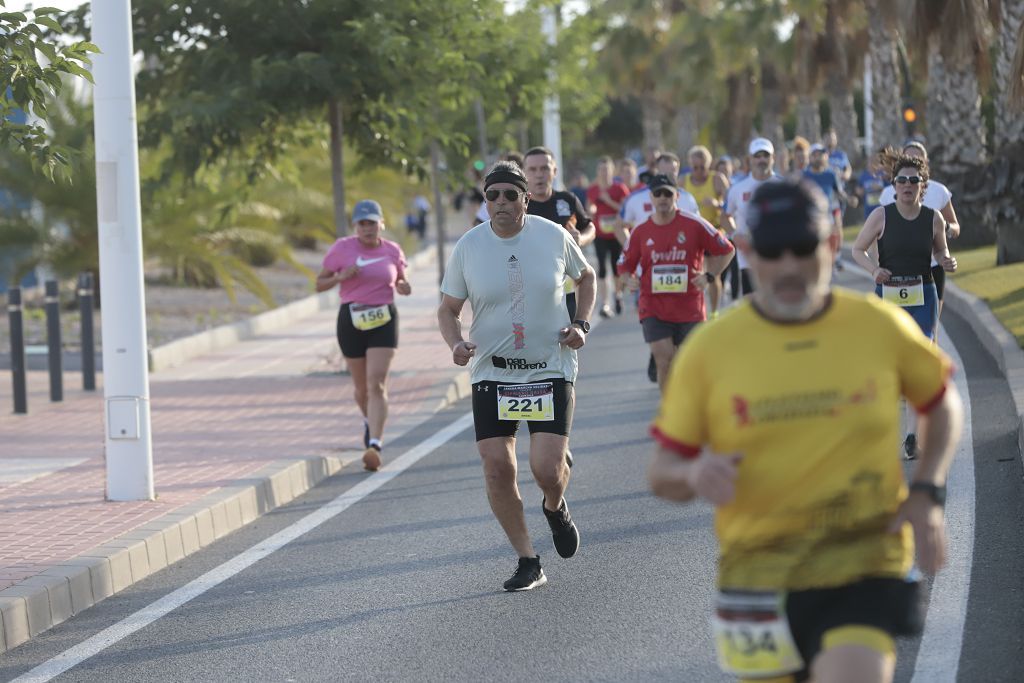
{"type": "Point", "coordinates": [368, 270]}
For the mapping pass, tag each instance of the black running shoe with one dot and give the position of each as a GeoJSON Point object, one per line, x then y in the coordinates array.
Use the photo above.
{"type": "Point", "coordinates": [528, 575]}
{"type": "Point", "coordinates": [618, 305]}
{"type": "Point", "coordinates": [568, 458]}
{"type": "Point", "coordinates": [652, 369]}
{"type": "Point", "coordinates": [366, 434]}
{"type": "Point", "coordinates": [563, 531]}
{"type": "Point", "coordinates": [910, 447]}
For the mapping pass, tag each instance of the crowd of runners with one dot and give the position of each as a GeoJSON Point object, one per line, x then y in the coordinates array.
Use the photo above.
{"type": "Point", "coordinates": [783, 413]}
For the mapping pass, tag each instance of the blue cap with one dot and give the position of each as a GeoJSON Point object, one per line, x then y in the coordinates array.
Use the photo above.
{"type": "Point", "coordinates": [367, 210]}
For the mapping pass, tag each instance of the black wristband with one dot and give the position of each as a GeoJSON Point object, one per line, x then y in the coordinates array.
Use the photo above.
{"type": "Point", "coordinates": [934, 491]}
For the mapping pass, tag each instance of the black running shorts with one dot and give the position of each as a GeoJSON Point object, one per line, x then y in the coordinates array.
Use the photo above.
{"type": "Point", "coordinates": [354, 342]}
{"type": "Point", "coordinates": [608, 252]}
{"type": "Point", "coordinates": [939, 278]}
{"type": "Point", "coordinates": [485, 410]}
{"type": "Point", "coordinates": [869, 612]}
{"type": "Point", "coordinates": [656, 330]}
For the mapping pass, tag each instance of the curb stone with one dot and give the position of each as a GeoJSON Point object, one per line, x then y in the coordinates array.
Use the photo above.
{"type": "Point", "coordinates": [68, 588]}
{"type": "Point", "coordinates": [998, 343]}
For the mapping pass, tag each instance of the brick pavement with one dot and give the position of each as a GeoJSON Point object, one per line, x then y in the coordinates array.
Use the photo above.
{"type": "Point", "coordinates": [216, 421]}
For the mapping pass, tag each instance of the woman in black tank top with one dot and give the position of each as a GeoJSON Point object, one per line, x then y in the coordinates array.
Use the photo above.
{"type": "Point", "coordinates": [906, 235]}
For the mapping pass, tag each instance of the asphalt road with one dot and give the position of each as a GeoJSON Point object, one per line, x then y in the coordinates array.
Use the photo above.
{"type": "Point", "coordinates": [405, 584]}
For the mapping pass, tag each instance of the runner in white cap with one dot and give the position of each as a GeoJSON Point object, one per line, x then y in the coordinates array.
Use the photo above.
{"type": "Point", "coordinates": [762, 159]}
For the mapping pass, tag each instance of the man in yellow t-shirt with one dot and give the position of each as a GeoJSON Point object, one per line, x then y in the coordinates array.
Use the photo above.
{"type": "Point", "coordinates": [708, 187]}
{"type": "Point", "coordinates": [784, 414]}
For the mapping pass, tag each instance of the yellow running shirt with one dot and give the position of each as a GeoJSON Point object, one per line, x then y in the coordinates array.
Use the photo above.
{"type": "Point", "coordinates": [812, 408]}
{"type": "Point", "coordinates": [702, 192]}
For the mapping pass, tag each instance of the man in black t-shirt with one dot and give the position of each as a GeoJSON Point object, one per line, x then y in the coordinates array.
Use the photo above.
{"type": "Point", "coordinates": [560, 206]}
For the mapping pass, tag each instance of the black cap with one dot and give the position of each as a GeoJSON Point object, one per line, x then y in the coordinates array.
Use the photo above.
{"type": "Point", "coordinates": [784, 213]}
{"type": "Point", "coordinates": [657, 181]}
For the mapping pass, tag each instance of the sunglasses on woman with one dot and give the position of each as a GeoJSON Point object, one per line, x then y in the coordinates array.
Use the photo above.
{"type": "Point", "coordinates": [799, 249]}
{"type": "Point", "coordinates": [904, 179]}
{"type": "Point", "coordinates": [510, 195]}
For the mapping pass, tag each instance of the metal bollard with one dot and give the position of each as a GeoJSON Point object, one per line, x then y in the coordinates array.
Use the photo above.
{"type": "Point", "coordinates": [88, 344]}
{"type": "Point", "coordinates": [17, 350]}
{"type": "Point", "coordinates": [54, 347]}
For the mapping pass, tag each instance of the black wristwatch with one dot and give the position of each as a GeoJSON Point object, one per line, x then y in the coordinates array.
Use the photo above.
{"type": "Point", "coordinates": [583, 325]}
{"type": "Point", "coordinates": [935, 492]}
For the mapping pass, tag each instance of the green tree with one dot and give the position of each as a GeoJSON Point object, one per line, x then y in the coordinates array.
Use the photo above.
{"type": "Point", "coordinates": [28, 83]}
{"type": "Point", "coordinates": [244, 77]}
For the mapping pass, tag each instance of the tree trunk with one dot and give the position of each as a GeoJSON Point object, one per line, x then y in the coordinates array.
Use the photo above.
{"type": "Point", "coordinates": [651, 122]}
{"type": "Point", "coordinates": [808, 117]}
{"type": "Point", "coordinates": [437, 183]}
{"type": "Point", "coordinates": [837, 82]}
{"type": "Point", "coordinates": [334, 115]}
{"type": "Point", "coordinates": [956, 131]}
{"type": "Point", "coordinates": [739, 118]}
{"type": "Point", "coordinates": [1009, 161]}
{"type": "Point", "coordinates": [686, 124]}
{"type": "Point", "coordinates": [773, 106]}
{"type": "Point", "coordinates": [1009, 121]}
{"type": "Point", "coordinates": [886, 103]}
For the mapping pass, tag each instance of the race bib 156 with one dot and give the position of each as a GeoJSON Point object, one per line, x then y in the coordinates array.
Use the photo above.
{"type": "Point", "coordinates": [369, 317]}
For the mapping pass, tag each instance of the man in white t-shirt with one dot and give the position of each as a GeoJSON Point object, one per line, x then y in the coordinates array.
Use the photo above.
{"type": "Point", "coordinates": [522, 346]}
{"type": "Point", "coordinates": [639, 206]}
{"type": "Point", "coordinates": [762, 159]}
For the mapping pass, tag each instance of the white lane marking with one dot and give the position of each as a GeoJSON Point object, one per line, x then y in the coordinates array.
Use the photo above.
{"type": "Point", "coordinates": [938, 656]}
{"type": "Point", "coordinates": [147, 615]}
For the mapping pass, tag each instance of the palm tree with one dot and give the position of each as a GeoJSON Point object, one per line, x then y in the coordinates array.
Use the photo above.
{"type": "Point", "coordinates": [956, 35]}
{"type": "Point", "coordinates": [843, 21]}
{"type": "Point", "coordinates": [887, 126]}
{"type": "Point", "coordinates": [808, 74]}
{"type": "Point", "coordinates": [1008, 166]}
{"type": "Point", "coordinates": [1009, 122]}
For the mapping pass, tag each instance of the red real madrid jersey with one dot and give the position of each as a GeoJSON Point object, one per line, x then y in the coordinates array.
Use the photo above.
{"type": "Point", "coordinates": [669, 256]}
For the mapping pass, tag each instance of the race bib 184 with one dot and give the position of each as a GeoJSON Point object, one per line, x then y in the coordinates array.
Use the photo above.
{"type": "Point", "coordinates": [532, 402]}
{"type": "Point", "coordinates": [669, 278]}
{"type": "Point", "coordinates": [369, 317]}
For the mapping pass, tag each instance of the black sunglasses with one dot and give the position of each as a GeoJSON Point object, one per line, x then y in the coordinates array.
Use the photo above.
{"type": "Point", "coordinates": [903, 179]}
{"type": "Point", "coordinates": [510, 195]}
{"type": "Point", "coordinates": [663, 192]}
{"type": "Point", "coordinates": [799, 249]}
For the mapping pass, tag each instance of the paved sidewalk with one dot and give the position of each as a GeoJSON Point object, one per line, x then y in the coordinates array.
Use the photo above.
{"type": "Point", "coordinates": [235, 433]}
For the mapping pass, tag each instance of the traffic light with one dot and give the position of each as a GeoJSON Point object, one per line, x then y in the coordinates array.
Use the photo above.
{"type": "Point", "coordinates": [910, 117]}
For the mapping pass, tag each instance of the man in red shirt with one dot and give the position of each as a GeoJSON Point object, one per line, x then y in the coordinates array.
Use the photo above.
{"type": "Point", "coordinates": [605, 199]}
{"type": "Point", "coordinates": [669, 247]}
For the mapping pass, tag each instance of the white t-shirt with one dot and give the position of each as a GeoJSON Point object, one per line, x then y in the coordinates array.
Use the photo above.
{"type": "Point", "coordinates": [514, 288]}
{"type": "Point", "coordinates": [638, 207]}
{"type": "Point", "coordinates": [936, 195]}
{"type": "Point", "coordinates": [736, 202]}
